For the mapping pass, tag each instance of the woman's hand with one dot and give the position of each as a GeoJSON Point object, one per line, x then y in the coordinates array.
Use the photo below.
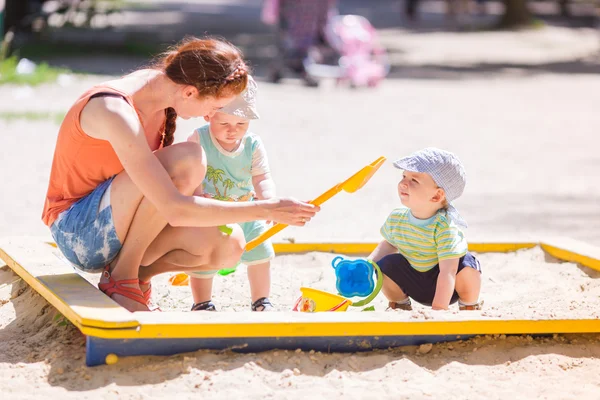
{"type": "Point", "coordinates": [290, 211]}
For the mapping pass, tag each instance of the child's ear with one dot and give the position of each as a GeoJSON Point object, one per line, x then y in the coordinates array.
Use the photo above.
{"type": "Point", "coordinates": [439, 196]}
{"type": "Point", "coordinates": [207, 118]}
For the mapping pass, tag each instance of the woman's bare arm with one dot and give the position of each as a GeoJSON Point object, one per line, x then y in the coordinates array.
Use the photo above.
{"type": "Point", "coordinates": [114, 120]}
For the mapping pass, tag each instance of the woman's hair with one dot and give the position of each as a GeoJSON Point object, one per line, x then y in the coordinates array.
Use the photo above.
{"type": "Point", "coordinates": [214, 67]}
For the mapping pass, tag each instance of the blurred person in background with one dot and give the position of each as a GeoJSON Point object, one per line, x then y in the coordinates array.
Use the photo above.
{"type": "Point", "coordinates": [300, 25]}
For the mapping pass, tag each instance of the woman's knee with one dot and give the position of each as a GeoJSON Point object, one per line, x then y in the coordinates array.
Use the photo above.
{"type": "Point", "coordinates": [186, 164]}
{"type": "Point", "coordinates": [230, 248]}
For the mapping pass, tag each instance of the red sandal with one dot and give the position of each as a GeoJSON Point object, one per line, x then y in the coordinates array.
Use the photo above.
{"type": "Point", "coordinates": [116, 287]}
{"type": "Point", "coordinates": [148, 292]}
{"type": "Point", "coordinates": [147, 296]}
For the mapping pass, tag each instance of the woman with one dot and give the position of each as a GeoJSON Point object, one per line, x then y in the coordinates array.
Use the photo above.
{"type": "Point", "coordinates": [120, 197]}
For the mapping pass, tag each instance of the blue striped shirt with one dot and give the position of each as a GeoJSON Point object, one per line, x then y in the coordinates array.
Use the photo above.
{"type": "Point", "coordinates": [424, 242]}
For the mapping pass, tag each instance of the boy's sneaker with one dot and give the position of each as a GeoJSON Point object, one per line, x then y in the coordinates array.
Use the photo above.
{"type": "Point", "coordinates": [467, 307]}
{"type": "Point", "coordinates": [262, 304]}
{"type": "Point", "coordinates": [406, 305]}
{"type": "Point", "coordinates": [204, 306]}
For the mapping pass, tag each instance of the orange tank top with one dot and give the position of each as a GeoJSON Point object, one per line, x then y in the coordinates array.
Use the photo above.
{"type": "Point", "coordinates": [82, 162]}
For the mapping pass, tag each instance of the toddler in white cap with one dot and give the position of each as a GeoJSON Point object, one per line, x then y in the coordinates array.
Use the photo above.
{"type": "Point", "coordinates": [424, 254]}
{"type": "Point", "coordinates": [237, 170]}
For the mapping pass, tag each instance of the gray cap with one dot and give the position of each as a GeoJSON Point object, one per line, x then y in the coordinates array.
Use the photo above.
{"type": "Point", "coordinates": [244, 105]}
{"type": "Point", "coordinates": [446, 170]}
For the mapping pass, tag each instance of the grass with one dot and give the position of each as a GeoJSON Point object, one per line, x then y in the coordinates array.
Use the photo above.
{"type": "Point", "coordinates": [43, 73]}
{"type": "Point", "coordinates": [11, 116]}
{"type": "Point", "coordinates": [43, 49]}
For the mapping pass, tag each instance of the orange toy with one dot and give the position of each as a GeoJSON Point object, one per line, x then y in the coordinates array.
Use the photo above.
{"type": "Point", "coordinates": [350, 185]}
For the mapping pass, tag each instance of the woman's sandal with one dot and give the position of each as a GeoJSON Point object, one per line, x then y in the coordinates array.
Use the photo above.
{"type": "Point", "coordinates": [263, 302]}
{"type": "Point", "coordinates": [204, 306]}
{"type": "Point", "coordinates": [148, 292]}
{"type": "Point", "coordinates": [148, 296]}
{"type": "Point", "coordinates": [116, 287]}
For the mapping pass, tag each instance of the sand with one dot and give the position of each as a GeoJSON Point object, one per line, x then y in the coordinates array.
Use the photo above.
{"type": "Point", "coordinates": [509, 103]}
{"type": "Point", "coordinates": [515, 285]}
{"type": "Point", "coordinates": [41, 355]}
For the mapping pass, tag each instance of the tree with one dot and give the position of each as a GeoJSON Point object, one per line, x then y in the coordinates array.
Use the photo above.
{"type": "Point", "coordinates": [14, 12]}
{"type": "Point", "coordinates": [516, 13]}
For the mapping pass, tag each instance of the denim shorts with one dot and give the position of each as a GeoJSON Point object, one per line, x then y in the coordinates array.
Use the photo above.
{"type": "Point", "coordinates": [86, 236]}
{"type": "Point", "coordinates": [420, 286]}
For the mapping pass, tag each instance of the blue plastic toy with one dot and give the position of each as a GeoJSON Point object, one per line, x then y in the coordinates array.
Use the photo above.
{"type": "Point", "coordinates": [355, 279]}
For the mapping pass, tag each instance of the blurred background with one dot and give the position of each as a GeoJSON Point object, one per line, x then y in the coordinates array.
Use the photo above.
{"type": "Point", "coordinates": [512, 87]}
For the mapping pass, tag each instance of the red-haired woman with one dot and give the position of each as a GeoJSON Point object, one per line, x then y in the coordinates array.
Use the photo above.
{"type": "Point", "coordinates": [120, 198]}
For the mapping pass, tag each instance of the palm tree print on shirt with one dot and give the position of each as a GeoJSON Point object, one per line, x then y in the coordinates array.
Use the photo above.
{"type": "Point", "coordinates": [217, 176]}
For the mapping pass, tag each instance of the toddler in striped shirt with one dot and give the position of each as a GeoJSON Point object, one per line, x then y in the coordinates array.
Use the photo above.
{"type": "Point", "coordinates": [424, 253]}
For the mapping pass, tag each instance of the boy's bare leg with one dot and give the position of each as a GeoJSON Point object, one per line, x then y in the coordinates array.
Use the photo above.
{"type": "Point", "coordinates": [468, 285]}
{"type": "Point", "coordinates": [397, 298]}
{"type": "Point", "coordinates": [392, 291]}
{"type": "Point", "coordinates": [201, 289]}
{"type": "Point", "coordinates": [259, 276]}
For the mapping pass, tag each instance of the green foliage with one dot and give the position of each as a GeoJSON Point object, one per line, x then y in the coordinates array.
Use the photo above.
{"type": "Point", "coordinates": [43, 73]}
{"type": "Point", "coordinates": [10, 116]}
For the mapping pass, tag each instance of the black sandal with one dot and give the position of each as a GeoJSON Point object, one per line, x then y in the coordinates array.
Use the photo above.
{"type": "Point", "coordinates": [204, 306]}
{"type": "Point", "coordinates": [264, 303]}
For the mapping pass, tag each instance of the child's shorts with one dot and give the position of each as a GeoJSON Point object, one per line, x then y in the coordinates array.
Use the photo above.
{"type": "Point", "coordinates": [420, 286]}
{"type": "Point", "coordinates": [263, 252]}
{"type": "Point", "coordinates": [86, 235]}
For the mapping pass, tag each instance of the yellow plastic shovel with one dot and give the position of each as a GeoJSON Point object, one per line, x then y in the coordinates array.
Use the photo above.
{"type": "Point", "coordinates": [350, 185]}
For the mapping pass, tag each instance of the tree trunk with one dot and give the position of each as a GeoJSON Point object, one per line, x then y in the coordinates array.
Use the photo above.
{"type": "Point", "coordinates": [516, 13]}
{"type": "Point", "coordinates": [15, 11]}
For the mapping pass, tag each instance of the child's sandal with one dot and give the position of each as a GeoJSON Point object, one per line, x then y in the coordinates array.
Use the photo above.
{"type": "Point", "coordinates": [392, 305]}
{"type": "Point", "coordinates": [204, 306]}
{"type": "Point", "coordinates": [262, 304]}
{"type": "Point", "coordinates": [116, 287]}
{"type": "Point", "coordinates": [470, 307]}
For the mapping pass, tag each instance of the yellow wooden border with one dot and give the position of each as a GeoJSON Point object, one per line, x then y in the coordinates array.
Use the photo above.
{"type": "Point", "coordinates": [364, 248]}
{"type": "Point", "coordinates": [336, 328]}
{"type": "Point", "coordinates": [201, 325]}
{"type": "Point", "coordinates": [567, 249]}
{"type": "Point", "coordinates": [88, 312]}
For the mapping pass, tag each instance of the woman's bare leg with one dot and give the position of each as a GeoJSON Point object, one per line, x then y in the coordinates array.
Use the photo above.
{"type": "Point", "coordinates": [192, 249]}
{"type": "Point", "coordinates": [137, 221]}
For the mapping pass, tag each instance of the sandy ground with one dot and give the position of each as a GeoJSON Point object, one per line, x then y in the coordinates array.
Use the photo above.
{"type": "Point", "coordinates": [523, 122]}
{"type": "Point", "coordinates": [507, 280]}
{"type": "Point", "coordinates": [39, 356]}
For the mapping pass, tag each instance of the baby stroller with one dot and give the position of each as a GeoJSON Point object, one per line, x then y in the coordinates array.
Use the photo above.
{"type": "Point", "coordinates": [299, 26]}
{"type": "Point", "coordinates": [350, 53]}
